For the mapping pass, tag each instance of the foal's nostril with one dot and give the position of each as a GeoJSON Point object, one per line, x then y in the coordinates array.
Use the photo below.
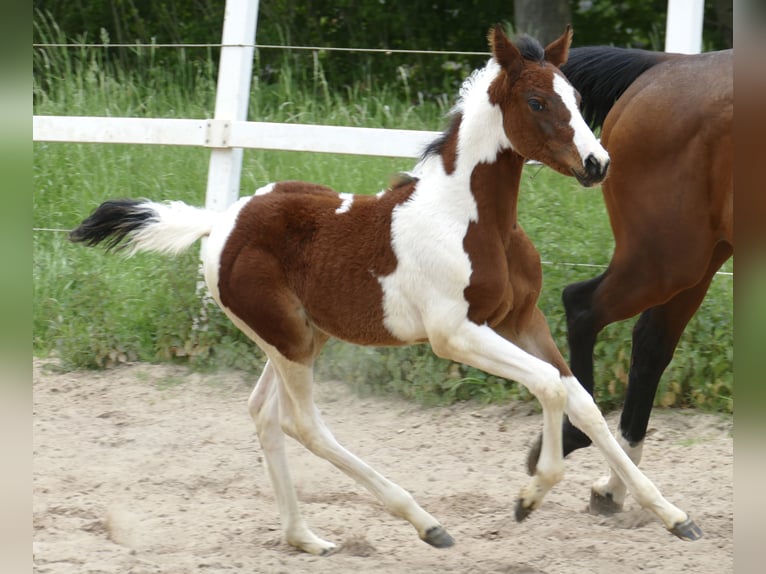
{"type": "Point", "coordinates": [594, 168]}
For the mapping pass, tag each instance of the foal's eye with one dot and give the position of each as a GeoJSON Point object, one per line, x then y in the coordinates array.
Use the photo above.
{"type": "Point", "coordinates": [535, 105]}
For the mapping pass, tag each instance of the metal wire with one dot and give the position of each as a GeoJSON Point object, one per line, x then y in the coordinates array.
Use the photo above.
{"type": "Point", "coordinates": [262, 47]}
{"type": "Point", "coordinates": [553, 263]}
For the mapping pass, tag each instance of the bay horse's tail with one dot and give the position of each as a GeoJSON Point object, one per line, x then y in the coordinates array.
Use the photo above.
{"type": "Point", "coordinates": [602, 73]}
{"type": "Point", "coordinates": [145, 226]}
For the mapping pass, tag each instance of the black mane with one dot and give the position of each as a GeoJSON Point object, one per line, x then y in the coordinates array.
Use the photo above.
{"type": "Point", "coordinates": [437, 146]}
{"type": "Point", "coordinates": [602, 73]}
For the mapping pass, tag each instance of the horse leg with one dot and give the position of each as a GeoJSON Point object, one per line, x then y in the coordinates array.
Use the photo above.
{"type": "Point", "coordinates": [300, 419]}
{"type": "Point", "coordinates": [535, 338]}
{"type": "Point", "coordinates": [590, 306]}
{"type": "Point", "coordinates": [582, 330]}
{"type": "Point", "coordinates": [264, 409]}
{"type": "Point", "coordinates": [481, 347]}
{"type": "Point", "coordinates": [655, 337]}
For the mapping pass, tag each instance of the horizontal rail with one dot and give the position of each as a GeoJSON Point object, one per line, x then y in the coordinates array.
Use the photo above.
{"type": "Point", "coordinates": [232, 134]}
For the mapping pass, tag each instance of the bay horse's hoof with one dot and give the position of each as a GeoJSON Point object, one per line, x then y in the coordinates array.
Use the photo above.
{"type": "Point", "coordinates": [438, 537]}
{"type": "Point", "coordinates": [534, 456]}
{"type": "Point", "coordinates": [603, 504]}
{"type": "Point", "coordinates": [687, 530]}
{"type": "Point", "coordinates": [521, 511]}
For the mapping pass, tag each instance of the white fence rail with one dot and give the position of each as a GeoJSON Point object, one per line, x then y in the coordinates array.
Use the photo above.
{"type": "Point", "coordinates": [232, 134]}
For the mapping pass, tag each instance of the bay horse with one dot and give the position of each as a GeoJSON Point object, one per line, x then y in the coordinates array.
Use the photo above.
{"type": "Point", "coordinates": [667, 124]}
{"type": "Point", "coordinates": [437, 257]}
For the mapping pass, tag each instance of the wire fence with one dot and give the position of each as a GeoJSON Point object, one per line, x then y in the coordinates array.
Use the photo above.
{"type": "Point", "coordinates": [550, 263]}
{"type": "Point", "coordinates": [261, 47]}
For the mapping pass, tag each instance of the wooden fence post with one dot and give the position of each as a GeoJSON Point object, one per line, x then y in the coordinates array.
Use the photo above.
{"type": "Point", "coordinates": [231, 101]}
{"type": "Point", "coordinates": [683, 32]}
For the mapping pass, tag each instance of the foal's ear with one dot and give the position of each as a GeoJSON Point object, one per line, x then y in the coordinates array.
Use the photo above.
{"type": "Point", "coordinates": [557, 51]}
{"type": "Point", "coordinates": [504, 52]}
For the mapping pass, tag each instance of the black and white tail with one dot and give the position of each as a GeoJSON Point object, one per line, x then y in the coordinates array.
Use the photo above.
{"type": "Point", "coordinates": [142, 225]}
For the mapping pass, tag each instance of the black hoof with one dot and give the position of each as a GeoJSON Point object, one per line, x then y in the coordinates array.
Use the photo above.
{"type": "Point", "coordinates": [603, 505]}
{"type": "Point", "coordinates": [687, 530]}
{"type": "Point", "coordinates": [534, 456]}
{"type": "Point", "coordinates": [521, 511]}
{"type": "Point", "coordinates": [329, 551]}
{"type": "Point", "coordinates": [438, 537]}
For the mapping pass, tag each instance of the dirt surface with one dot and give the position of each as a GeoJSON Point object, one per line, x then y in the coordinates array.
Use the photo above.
{"type": "Point", "coordinates": [149, 468]}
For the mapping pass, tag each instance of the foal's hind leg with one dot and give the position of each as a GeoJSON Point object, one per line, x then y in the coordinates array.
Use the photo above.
{"type": "Point", "coordinates": [264, 408]}
{"type": "Point", "coordinates": [300, 419]}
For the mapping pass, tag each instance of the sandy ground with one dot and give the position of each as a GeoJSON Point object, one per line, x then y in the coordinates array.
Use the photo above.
{"type": "Point", "coordinates": [148, 468]}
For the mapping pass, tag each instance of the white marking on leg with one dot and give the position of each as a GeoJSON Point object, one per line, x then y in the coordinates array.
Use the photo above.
{"type": "Point", "coordinates": [264, 409]}
{"type": "Point", "coordinates": [612, 486]}
{"type": "Point", "coordinates": [586, 143]}
{"type": "Point", "coordinates": [300, 418]}
{"type": "Point", "coordinates": [481, 347]}
{"type": "Point", "coordinates": [346, 203]}
{"type": "Point", "coordinates": [584, 414]}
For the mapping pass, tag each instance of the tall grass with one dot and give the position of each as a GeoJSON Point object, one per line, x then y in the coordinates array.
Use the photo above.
{"type": "Point", "coordinates": [93, 310]}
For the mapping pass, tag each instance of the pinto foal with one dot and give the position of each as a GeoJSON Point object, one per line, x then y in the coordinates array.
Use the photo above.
{"type": "Point", "coordinates": [439, 257]}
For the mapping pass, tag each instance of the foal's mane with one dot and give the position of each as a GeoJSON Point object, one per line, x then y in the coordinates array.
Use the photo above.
{"type": "Point", "coordinates": [602, 73]}
{"type": "Point", "coordinates": [529, 48]}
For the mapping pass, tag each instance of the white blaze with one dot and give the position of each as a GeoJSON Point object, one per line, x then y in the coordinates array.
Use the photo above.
{"type": "Point", "coordinates": [584, 139]}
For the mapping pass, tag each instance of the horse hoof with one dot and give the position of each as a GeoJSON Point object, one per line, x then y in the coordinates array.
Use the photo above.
{"type": "Point", "coordinates": [534, 456]}
{"type": "Point", "coordinates": [521, 511]}
{"type": "Point", "coordinates": [603, 504]}
{"type": "Point", "coordinates": [329, 551]}
{"type": "Point", "coordinates": [438, 537]}
{"type": "Point", "coordinates": [687, 530]}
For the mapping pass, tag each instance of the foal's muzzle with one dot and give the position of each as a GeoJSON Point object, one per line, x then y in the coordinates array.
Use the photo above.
{"type": "Point", "coordinates": [593, 172]}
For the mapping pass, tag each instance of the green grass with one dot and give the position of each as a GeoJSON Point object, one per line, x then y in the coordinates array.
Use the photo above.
{"type": "Point", "coordinates": [96, 310]}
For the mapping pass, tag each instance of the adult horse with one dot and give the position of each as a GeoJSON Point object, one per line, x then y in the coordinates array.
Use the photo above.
{"type": "Point", "coordinates": [667, 124]}
{"type": "Point", "coordinates": [438, 257]}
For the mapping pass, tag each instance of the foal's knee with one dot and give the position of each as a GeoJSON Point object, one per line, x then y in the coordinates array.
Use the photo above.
{"type": "Point", "coordinates": [581, 408]}
{"type": "Point", "coordinates": [554, 394]}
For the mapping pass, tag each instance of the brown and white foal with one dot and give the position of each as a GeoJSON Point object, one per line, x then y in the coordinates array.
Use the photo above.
{"type": "Point", "coordinates": [438, 257]}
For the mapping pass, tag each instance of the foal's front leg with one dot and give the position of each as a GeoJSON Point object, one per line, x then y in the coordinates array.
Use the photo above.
{"type": "Point", "coordinates": [483, 348]}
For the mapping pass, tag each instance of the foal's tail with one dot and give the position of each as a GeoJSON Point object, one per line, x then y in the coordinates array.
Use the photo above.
{"type": "Point", "coordinates": [602, 73]}
{"type": "Point", "coordinates": [145, 226]}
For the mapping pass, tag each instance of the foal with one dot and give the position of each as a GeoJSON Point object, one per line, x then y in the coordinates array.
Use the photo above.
{"type": "Point", "coordinates": [438, 257]}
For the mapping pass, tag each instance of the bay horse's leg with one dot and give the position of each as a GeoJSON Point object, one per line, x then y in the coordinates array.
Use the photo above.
{"type": "Point", "coordinates": [264, 409]}
{"type": "Point", "coordinates": [614, 296]}
{"type": "Point", "coordinates": [481, 347]}
{"type": "Point", "coordinates": [655, 337]}
{"type": "Point", "coordinates": [583, 326]}
{"type": "Point", "coordinates": [300, 419]}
